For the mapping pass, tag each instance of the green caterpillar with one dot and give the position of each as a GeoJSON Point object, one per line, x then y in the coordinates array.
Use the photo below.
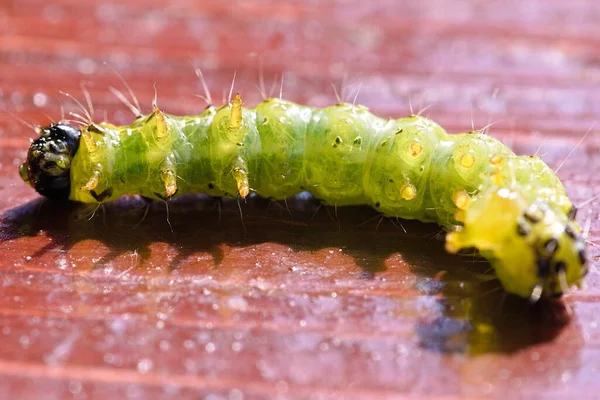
{"type": "Point", "coordinates": [512, 209]}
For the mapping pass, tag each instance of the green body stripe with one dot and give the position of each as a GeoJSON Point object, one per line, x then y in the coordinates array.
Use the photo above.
{"type": "Point", "coordinates": [343, 155]}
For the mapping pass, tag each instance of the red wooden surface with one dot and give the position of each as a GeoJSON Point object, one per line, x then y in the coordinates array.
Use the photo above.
{"type": "Point", "coordinates": [289, 306]}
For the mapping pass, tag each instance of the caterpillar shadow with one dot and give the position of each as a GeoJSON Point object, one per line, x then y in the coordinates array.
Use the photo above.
{"type": "Point", "coordinates": [351, 245]}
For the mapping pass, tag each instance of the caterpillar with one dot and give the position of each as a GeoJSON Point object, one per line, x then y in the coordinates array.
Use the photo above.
{"type": "Point", "coordinates": [512, 209]}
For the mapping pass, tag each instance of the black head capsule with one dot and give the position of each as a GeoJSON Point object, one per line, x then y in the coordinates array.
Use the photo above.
{"type": "Point", "coordinates": [48, 164]}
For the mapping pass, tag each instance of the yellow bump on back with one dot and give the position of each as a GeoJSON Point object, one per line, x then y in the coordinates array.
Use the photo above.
{"type": "Point", "coordinates": [235, 121]}
{"type": "Point", "coordinates": [467, 160]}
{"type": "Point", "coordinates": [408, 192]}
{"type": "Point", "coordinates": [415, 149]}
{"type": "Point", "coordinates": [162, 131]}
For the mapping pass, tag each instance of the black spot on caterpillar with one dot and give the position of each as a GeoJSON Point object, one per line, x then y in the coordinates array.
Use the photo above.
{"type": "Point", "coordinates": [512, 209]}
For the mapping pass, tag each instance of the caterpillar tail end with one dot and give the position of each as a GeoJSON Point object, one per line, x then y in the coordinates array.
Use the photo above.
{"type": "Point", "coordinates": [536, 250]}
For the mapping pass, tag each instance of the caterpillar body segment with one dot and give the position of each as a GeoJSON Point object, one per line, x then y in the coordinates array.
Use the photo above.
{"type": "Point", "coordinates": [513, 209]}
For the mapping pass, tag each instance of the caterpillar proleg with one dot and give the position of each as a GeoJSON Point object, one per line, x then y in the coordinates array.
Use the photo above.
{"type": "Point", "coordinates": [512, 209]}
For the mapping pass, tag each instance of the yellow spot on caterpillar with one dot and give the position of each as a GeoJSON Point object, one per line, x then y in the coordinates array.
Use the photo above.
{"type": "Point", "coordinates": [461, 199]}
{"type": "Point", "coordinates": [408, 192]}
{"type": "Point", "coordinates": [415, 149]}
{"type": "Point", "coordinates": [92, 183]}
{"type": "Point", "coordinates": [467, 160]}
{"type": "Point", "coordinates": [496, 160]}
{"type": "Point", "coordinates": [235, 121]}
{"type": "Point", "coordinates": [161, 124]}
{"type": "Point", "coordinates": [170, 181]}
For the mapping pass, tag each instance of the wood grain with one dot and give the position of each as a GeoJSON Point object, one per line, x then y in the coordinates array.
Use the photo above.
{"type": "Point", "coordinates": [293, 301]}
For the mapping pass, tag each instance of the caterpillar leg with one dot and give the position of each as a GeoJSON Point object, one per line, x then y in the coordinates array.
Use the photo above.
{"type": "Point", "coordinates": [103, 195]}
{"type": "Point", "coordinates": [240, 174]}
{"type": "Point", "coordinates": [92, 182]}
{"type": "Point", "coordinates": [169, 177]}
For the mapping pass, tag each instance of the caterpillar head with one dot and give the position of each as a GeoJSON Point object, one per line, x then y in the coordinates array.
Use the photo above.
{"type": "Point", "coordinates": [536, 249]}
{"type": "Point", "coordinates": [48, 163]}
